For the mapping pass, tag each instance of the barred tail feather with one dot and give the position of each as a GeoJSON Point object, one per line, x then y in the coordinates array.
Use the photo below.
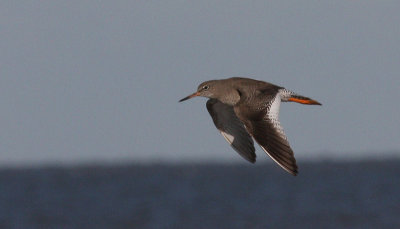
{"type": "Point", "coordinates": [289, 96]}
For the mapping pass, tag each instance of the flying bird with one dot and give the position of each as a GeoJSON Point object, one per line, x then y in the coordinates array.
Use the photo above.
{"type": "Point", "coordinates": [243, 109]}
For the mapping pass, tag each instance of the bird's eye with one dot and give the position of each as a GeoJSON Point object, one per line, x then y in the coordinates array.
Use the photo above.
{"type": "Point", "coordinates": [206, 87]}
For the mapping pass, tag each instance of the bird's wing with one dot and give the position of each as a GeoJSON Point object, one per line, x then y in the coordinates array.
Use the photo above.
{"type": "Point", "coordinates": [269, 134]}
{"type": "Point", "coordinates": [232, 129]}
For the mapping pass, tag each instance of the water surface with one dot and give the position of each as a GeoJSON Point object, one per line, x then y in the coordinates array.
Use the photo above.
{"type": "Point", "coordinates": [324, 195]}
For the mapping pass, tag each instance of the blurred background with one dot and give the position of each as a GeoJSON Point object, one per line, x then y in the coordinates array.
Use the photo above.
{"type": "Point", "coordinates": [92, 134]}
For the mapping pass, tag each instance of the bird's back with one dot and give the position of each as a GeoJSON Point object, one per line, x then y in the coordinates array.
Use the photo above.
{"type": "Point", "coordinates": [255, 94]}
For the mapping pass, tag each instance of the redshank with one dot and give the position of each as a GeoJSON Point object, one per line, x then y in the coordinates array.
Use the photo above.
{"type": "Point", "coordinates": [243, 108]}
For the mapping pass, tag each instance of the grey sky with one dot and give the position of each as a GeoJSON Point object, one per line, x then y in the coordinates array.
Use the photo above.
{"type": "Point", "coordinates": [100, 80]}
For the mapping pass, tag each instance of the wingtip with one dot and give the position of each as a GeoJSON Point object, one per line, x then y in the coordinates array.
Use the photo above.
{"type": "Point", "coordinates": [249, 159]}
{"type": "Point", "coordinates": [292, 171]}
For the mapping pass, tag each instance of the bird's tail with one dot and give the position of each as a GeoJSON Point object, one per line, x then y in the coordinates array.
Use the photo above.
{"type": "Point", "coordinates": [289, 96]}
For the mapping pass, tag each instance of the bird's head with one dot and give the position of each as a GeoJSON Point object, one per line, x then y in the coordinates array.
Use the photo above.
{"type": "Point", "coordinates": [205, 89]}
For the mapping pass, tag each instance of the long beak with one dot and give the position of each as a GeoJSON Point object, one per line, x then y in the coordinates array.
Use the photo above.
{"type": "Point", "coordinates": [190, 96]}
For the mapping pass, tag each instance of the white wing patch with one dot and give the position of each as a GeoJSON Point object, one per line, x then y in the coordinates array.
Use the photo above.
{"type": "Point", "coordinates": [229, 138]}
{"type": "Point", "coordinates": [273, 114]}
